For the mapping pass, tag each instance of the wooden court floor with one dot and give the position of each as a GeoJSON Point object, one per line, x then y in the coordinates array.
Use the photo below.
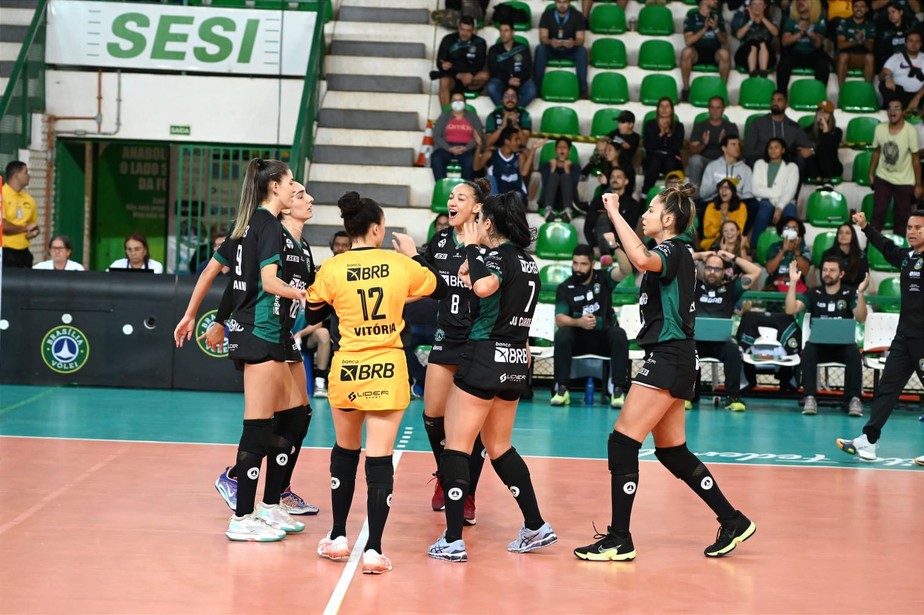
{"type": "Point", "coordinates": [107, 505]}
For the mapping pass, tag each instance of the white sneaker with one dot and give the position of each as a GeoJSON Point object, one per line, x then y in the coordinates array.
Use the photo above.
{"type": "Point", "coordinates": [276, 517]}
{"type": "Point", "coordinates": [860, 447]}
{"type": "Point", "coordinates": [251, 529]}
{"type": "Point", "coordinates": [375, 563]}
{"type": "Point", "coordinates": [320, 387]}
{"type": "Point", "coordinates": [919, 460]}
{"type": "Point", "coordinates": [337, 549]}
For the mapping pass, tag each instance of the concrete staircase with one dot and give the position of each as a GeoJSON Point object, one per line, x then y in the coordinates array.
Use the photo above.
{"type": "Point", "coordinates": [14, 23]}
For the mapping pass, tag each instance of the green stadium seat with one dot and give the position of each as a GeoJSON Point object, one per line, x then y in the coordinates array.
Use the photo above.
{"type": "Point", "coordinates": [656, 54]}
{"type": "Point", "coordinates": [556, 241]}
{"type": "Point", "coordinates": [860, 132]}
{"type": "Point", "coordinates": [560, 121]}
{"type": "Point", "coordinates": [806, 121]}
{"type": "Point", "coordinates": [766, 239]}
{"type": "Point", "coordinates": [867, 208]}
{"type": "Point", "coordinates": [877, 261]}
{"type": "Point", "coordinates": [439, 203]}
{"type": "Point", "coordinates": [604, 122]}
{"type": "Point", "coordinates": [756, 93]}
{"type": "Point", "coordinates": [521, 26]}
{"type": "Point", "coordinates": [560, 86]}
{"type": "Point", "coordinates": [861, 168]}
{"type": "Point", "coordinates": [655, 20]}
{"type": "Point", "coordinates": [890, 287]}
{"type": "Point", "coordinates": [653, 192]}
{"type": "Point", "coordinates": [805, 94]}
{"type": "Point", "coordinates": [655, 87]}
{"type": "Point", "coordinates": [858, 97]}
{"type": "Point", "coordinates": [608, 53]}
{"type": "Point", "coordinates": [554, 274]}
{"type": "Point", "coordinates": [823, 241]}
{"type": "Point", "coordinates": [607, 19]}
{"type": "Point", "coordinates": [827, 208]}
{"type": "Point", "coordinates": [626, 291]}
{"type": "Point", "coordinates": [705, 87]}
{"type": "Point", "coordinates": [749, 120]}
{"type": "Point", "coordinates": [609, 89]}
{"type": "Point", "coordinates": [547, 153]}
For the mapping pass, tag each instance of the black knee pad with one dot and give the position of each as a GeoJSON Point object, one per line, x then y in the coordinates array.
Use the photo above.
{"type": "Point", "coordinates": [255, 436]}
{"type": "Point", "coordinates": [678, 460]}
{"type": "Point", "coordinates": [434, 424]}
{"type": "Point", "coordinates": [380, 473]}
{"type": "Point", "coordinates": [622, 454]}
{"type": "Point", "coordinates": [343, 463]}
{"type": "Point", "coordinates": [511, 468]}
{"type": "Point", "coordinates": [454, 469]}
{"type": "Point", "coordinates": [291, 425]}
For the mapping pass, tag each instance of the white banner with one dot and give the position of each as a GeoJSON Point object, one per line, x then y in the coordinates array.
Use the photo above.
{"type": "Point", "coordinates": [179, 38]}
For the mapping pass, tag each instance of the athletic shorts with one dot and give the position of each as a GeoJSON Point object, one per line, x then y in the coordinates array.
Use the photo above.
{"type": "Point", "coordinates": [706, 54]}
{"type": "Point", "coordinates": [369, 380]}
{"type": "Point", "coordinates": [490, 369]}
{"type": "Point", "coordinates": [670, 366]}
{"type": "Point", "coordinates": [446, 351]}
{"type": "Point", "coordinates": [245, 347]}
{"type": "Point", "coordinates": [293, 354]}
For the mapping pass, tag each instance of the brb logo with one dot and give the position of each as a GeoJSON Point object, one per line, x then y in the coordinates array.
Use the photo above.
{"type": "Point", "coordinates": [366, 371]}
{"type": "Point", "coordinates": [65, 349]}
{"type": "Point", "coordinates": [355, 274]}
{"type": "Point", "coordinates": [507, 354]}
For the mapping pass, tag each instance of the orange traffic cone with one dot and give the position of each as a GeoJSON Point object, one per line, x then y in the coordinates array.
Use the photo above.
{"type": "Point", "coordinates": [426, 147]}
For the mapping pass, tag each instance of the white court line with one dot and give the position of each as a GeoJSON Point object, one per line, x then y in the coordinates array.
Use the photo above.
{"type": "Point", "coordinates": [349, 571]}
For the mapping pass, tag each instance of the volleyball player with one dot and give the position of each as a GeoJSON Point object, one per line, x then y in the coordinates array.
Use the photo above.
{"type": "Point", "coordinates": [367, 287]}
{"type": "Point", "coordinates": [255, 344]}
{"type": "Point", "coordinates": [446, 253]}
{"type": "Point", "coordinates": [492, 372]}
{"type": "Point", "coordinates": [656, 404]}
{"type": "Point", "coordinates": [906, 353]}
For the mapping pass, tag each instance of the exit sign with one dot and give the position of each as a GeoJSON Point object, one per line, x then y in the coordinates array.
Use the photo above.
{"type": "Point", "coordinates": [180, 130]}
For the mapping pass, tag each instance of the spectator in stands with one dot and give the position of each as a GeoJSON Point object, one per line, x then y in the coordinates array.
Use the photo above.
{"type": "Point", "coordinates": [706, 42]}
{"type": "Point", "coordinates": [663, 139]}
{"type": "Point", "coordinates": [730, 240]}
{"type": "Point", "coordinates": [625, 143]}
{"type": "Point", "coordinates": [20, 216]}
{"type": "Point", "coordinates": [595, 163]}
{"type": "Point", "coordinates": [895, 169]}
{"type": "Point", "coordinates": [206, 255]}
{"type": "Point", "coordinates": [902, 76]}
{"type": "Point", "coordinates": [776, 183]}
{"type": "Point", "coordinates": [317, 339]}
{"type": "Point", "coordinates": [716, 297]}
{"type": "Point", "coordinates": [137, 255]}
{"type": "Point", "coordinates": [824, 165]}
{"type": "Point", "coordinates": [587, 324]}
{"type": "Point", "coordinates": [510, 65]}
{"type": "Point", "coordinates": [461, 61]}
{"type": "Point", "coordinates": [706, 139]}
{"type": "Point", "coordinates": [803, 43]}
{"type": "Point", "coordinates": [776, 124]}
{"type": "Point", "coordinates": [855, 38]}
{"type": "Point", "coordinates": [561, 37]}
{"type": "Point", "coordinates": [597, 223]}
{"type": "Point", "coordinates": [340, 243]}
{"type": "Point", "coordinates": [728, 165]}
{"type": "Point", "coordinates": [853, 259]}
{"type": "Point", "coordinates": [727, 207]}
{"type": "Point", "coordinates": [60, 250]}
{"type": "Point", "coordinates": [789, 253]}
{"type": "Point", "coordinates": [892, 31]}
{"type": "Point", "coordinates": [440, 222]}
{"type": "Point", "coordinates": [830, 300]}
{"type": "Point", "coordinates": [507, 165]}
{"type": "Point", "coordinates": [455, 137]}
{"type": "Point", "coordinates": [509, 113]}
{"type": "Point", "coordinates": [560, 178]}
{"type": "Point", "coordinates": [757, 33]}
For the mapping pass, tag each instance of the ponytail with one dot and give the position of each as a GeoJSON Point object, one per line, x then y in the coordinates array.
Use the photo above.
{"type": "Point", "coordinates": [508, 213]}
{"type": "Point", "coordinates": [255, 189]}
{"type": "Point", "coordinates": [679, 203]}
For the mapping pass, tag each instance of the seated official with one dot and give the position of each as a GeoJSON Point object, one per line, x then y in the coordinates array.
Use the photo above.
{"type": "Point", "coordinates": [831, 300]}
{"type": "Point", "coordinates": [587, 324]}
{"type": "Point", "coordinates": [716, 297]}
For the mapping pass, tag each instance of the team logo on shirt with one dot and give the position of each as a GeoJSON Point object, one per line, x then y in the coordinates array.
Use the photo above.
{"type": "Point", "coordinates": [65, 349]}
{"type": "Point", "coordinates": [201, 327]}
{"type": "Point", "coordinates": [919, 263]}
{"type": "Point", "coordinates": [841, 305]}
{"type": "Point", "coordinates": [355, 274]}
{"type": "Point", "coordinates": [366, 371]}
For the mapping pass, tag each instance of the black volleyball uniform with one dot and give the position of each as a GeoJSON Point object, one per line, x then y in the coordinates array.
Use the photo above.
{"type": "Point", "coordinates": [496, 359]}
{"type": "Point", "coordinates": [255, 327]}
{"type": "Point", "coordinates": [298, 272]}
{"type": "Point", "coordinates": [668, 311]}
{"type": "Point", "coordinates": [453, 319]}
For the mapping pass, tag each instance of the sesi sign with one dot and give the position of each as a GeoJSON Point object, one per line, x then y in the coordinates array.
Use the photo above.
{"type": "Point", "coordinates": [178, 38]}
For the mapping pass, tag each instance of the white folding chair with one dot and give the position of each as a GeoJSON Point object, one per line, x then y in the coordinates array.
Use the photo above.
{"type": "Point", "coordinates": [878, 335]}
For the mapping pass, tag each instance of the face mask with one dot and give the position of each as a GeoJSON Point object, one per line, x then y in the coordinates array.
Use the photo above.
{"type": "Point", "coordinates": [458, 105]}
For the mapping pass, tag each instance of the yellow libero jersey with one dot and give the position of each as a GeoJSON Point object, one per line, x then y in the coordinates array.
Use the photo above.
{"type": "Point", "coordinates": [367, 288]}
{"type": "Point", "coordinates": [19, 208]}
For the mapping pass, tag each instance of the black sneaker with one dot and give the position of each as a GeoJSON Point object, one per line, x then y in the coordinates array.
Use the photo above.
{"type": "Point", "coordinates": [608, 548]}
{"type": "Point", "coordinates": [565, 216]}
{"type": "Point", "coordinates": [548, 214]}
{"type": "Point", "coordinates": [685, 95]}
{"type": "Point", "coordinates": [435, 74]}
{"type": "Point", "coordinates": [730, 534]}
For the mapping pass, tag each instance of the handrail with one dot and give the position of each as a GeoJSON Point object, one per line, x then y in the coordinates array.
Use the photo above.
{"type": "Point", "coordinates": [31, 33]}
{"type": "Point", "coordinates": [303, 140]}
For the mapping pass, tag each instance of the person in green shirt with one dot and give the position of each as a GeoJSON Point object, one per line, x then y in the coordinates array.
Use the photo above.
{"type": "Point", "coordinates": [855, 39]}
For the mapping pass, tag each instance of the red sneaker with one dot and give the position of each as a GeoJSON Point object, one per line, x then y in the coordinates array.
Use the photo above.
{"type": "Point", "coordinates": [438, 501]}
{"type": "Point", "coordinates": [469, 514]}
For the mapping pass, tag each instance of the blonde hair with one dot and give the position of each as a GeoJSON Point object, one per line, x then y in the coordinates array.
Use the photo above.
{"type": "Point", "coordinates": [255, 189]}
{"type": "Point", "coordinates": [814, 11]}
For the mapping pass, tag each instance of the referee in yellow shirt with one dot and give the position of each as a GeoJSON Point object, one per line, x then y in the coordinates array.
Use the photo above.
{"type": "Point", "coordinates": [20, 216]}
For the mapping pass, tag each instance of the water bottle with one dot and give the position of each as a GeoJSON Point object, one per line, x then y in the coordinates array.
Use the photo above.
{"type": "Point", "coordinates": [589, 392]}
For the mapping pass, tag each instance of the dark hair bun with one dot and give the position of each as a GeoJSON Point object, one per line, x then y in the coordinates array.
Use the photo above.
{"type": "Point", "coordinates": [483, 184]}
{"type": "Point", "coordinates": [349, 204]}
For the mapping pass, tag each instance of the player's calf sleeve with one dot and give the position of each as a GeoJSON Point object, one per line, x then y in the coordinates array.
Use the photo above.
{"type": "Point", "coordinates": [476, 464]}
{"type": "Point", "coordinates": [250, 453]}
{"type": "Point", "coordinates": [436, 434]}
{"type": "Point", "coordinates": [380, 481]}
{"type": "Point", "coordinates": [687, 467]}
{"type": "Point", "coordinates": [622, 457]}
{"type": "Point", "coordinates": [292, 426]}
{"type": "Point", "coordinates": [514, 473]}
{"type": "Point", "coordinates": [454, 477]}
{"type": "Point", "coordinates": [343, 464]}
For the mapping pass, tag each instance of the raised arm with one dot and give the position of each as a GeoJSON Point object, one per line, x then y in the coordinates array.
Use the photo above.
{"type": "Point", "coordinates": [638, 254]}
